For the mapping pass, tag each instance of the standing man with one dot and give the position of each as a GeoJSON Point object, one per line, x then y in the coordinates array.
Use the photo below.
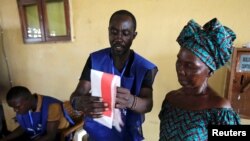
{"type": "Point", "coordinates": [133, 98]}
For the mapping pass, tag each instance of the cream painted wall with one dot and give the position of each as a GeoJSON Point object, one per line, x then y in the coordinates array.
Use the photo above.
{"type": "Point", "coordinates": [54, 68]}
{"type": "Point", "coordinates": [4, 69]}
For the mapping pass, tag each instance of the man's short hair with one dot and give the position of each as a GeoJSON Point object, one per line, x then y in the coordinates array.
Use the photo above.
{"type": "Point", "coordinates": [127, 13]}
{"type": "Point", "coordinates": [18, 91]}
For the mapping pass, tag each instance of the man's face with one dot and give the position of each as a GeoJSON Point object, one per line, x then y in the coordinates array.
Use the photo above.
{"type": "Point", "coordinates": [20, 105]}
{"type": "Point", "coordinates": [121, 34]}
{"type": "Point", "coordinates": [191, 71]}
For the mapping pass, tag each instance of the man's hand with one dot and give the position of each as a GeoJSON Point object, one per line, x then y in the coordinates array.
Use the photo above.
{"type": "Point", "coordinates": [90, 105]}
{"type": "Point", "coordinates": [124, 99]}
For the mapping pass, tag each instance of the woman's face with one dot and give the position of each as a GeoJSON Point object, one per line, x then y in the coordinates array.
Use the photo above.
{"type": "Point", "coordinates": [191, 71]}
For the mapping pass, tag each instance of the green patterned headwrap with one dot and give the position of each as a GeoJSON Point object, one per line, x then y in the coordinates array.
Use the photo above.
{"type": "Point", "coordinates": [212, 43]}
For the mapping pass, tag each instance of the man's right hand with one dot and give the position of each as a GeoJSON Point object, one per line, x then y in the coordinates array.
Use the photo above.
{"type": "Point", "coordinates": [90, 105]}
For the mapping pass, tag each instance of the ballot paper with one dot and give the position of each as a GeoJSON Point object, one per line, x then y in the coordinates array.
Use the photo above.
{"type": "Point", "coordinates": [104, 85]}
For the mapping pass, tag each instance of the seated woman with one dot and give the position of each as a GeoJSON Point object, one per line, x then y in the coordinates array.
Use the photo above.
{"type": "Point", "coordinates": [187, 111]}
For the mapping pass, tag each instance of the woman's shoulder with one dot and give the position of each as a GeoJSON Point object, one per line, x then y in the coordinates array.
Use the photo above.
{"type": "Point", "coordinates": [170, 95]}
{"type": "Point", "coordinates": [217, 101]}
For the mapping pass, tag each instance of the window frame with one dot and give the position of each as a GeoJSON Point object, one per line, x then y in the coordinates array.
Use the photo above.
{"type": "Point", "coordinates": [43, 22]}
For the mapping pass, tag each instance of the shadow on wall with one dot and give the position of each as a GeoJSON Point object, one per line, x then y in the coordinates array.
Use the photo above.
{"type": "Point", "coordinates": [3, 127]}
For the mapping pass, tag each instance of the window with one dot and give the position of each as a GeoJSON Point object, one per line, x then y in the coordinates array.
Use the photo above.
{"type": "Point", "coordinates": [44, 20]}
